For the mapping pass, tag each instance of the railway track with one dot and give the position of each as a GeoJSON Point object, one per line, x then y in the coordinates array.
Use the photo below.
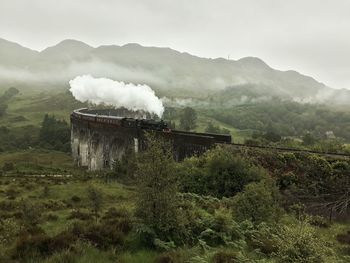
{"type": "Point", "coordinates": [282, 149]}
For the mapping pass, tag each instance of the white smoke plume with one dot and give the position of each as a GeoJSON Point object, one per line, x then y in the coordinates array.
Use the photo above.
{"type": "Point", "coordinates": [116, 93]}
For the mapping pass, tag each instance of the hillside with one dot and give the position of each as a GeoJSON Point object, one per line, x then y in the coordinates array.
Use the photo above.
{"type": "Point", "coordinates": [169, 72]}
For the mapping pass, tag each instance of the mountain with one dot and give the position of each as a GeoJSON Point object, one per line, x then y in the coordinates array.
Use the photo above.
{"type": "Point", "coordinates": [168, 71]}
{"type": "Point", "coordinates": [14, 55]}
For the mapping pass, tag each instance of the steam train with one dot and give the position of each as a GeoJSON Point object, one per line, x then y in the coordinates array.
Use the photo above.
{"type": "Point", "coordinates": [95, 116]}
{"type": "Point", "coordinates": [145, 124]}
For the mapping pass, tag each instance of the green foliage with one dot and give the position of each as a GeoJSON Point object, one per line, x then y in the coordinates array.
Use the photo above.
{"type": "Point", "coordinates": [9, 229]}
{"type": "Point", "coordinates": [8, 94]}
{"type": "Point", "coordinates": [262, 237]}
{"type": "Point", "coordinates": [3, 108]}
{"type": "Point", "coordinates": [30, 213]}
{"type": "Point", "coordinates": [18, 138]}
{"type": "Point", "coordinates": [95, 199]}
{"type": "Point", "coordinates": [211, 128]}
{"type": "Point", "coordinates": [188, 119]}
{"type": "Point", "coordinates": [286, 117]}
{"type": "Point", "coordinates": [309, 139]}
{"type": "Point", "coordinates": [300, 243]}
{"type": "Point", "coordinates": [259, 202]}
{"type": "Point", "coordinates": [221, 229]}
{"type": "Point", "coordinates": [157, 188]}
{"type": "Point", "coordinates": [8, 167]}
{"type": "Point", "coordinates": [218, 172]}
{"type": "Point", "coordinates": [55, 134]}
{"type": "Point", "coordinates": [344, 238]}
{"type": "Point", "coordinates": [225, 256]}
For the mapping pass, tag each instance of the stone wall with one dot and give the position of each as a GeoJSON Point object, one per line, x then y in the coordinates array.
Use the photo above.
{"type": "Point", "coordinates": [97, 145]}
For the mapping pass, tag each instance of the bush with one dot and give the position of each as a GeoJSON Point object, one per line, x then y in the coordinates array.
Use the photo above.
{"type": "Point", "coordinates": [344, 238]}
{"type": "Point", "coordinates": [75, 199]}
{"type": "Point", "coordinates": [51, 217]}
{"type": "Point", "coordinates": [319, 221]}
{"type": "Point", "coordinates": [225, 257]}
{"type": "Point", "coordinates": [218, 173]}
{"type": "Point", "coordinates": [263, 237]}
{"type": "Point", "coordinates": [9, 229]}
{"type": "Point", "coordinates": [8, 167]}
{"type": "Point", "coordinates": [101, 236]}
{"type": "Point", "coordinates": [168, 257]}
{"type": "Point", "coordinates": [11, 193]}
{"type": "Point", "coordinates": [259, 202]}
{"type": "Point", "coordinates": [77, 214]}
{"type": "Point", "coordinates": [221, 229]}
{"type": "Point", "coordinates": [96, 200]}
{"type": "Point", "coordinates": [113, 213]}
{"type": "Point", "coordinates": [30, 213]}
{"type": "Point", "coordinates": [301, 244]}
{"type": "Point", "coordinates": [28, 246]}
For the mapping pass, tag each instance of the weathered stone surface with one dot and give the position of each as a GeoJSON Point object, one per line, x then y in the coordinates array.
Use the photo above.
{"type": "Point", "coordinates": [97, 143]}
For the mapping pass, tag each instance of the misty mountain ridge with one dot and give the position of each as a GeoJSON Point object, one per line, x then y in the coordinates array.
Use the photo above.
{"type": "Point", "coordinates": [169, 72]}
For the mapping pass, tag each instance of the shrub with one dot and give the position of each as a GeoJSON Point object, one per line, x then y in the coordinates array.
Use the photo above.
{"type": "Point", "coordinates": [8, 205]}
{"type": "Point", "coordinates": [263, 237]}
{"type": "Point", "coordinates": [168, 257]}
{"type": "Point", "coordinates": [96, 200]}
{"type": "Point", "coordinates": [46, 191]}
{"type": "Point", "coordinates": [259, 202]}
{"type": "Point", "coordinates": [298, 244]}
{"type": "Point", "coordinates": [101, 236]}
{"type": "Point", "coordinates": [51, 217]}
{"type": "Point", "coordinates": [225, 257]}
{"type": "Point", "coordinates": [53, 205]}
{"type": "Point", "coordinates": [319, 221]}
{"type": "Point", "coordinates": [221, 229]}
{"type": "Point", "coordinates": [40, 244]}
{"type": "Point", "coordinates": [30, 213]}
{"type": "Point", "coordinates": [113, 213]}
{"type": "Point", "coordinates": [218, 173]}
{"type": "Point", "coordinates": [8, 167]}
{"type": "Point", "coordinates": [120, 218]}
{"type": "Point", "coordinates": [77, 214]}
{"type": "Point", "coordinates": [344, 238]}
{"type": "Point", "coordinates": [9, 229]}
{"type": "Point", "coordinates": [11, 193]}
{"type": "Point", "coordinates": [76, 199]}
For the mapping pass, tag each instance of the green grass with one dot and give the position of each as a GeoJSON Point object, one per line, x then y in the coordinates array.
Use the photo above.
{"type": "Point", "coordinates": [82, 253]}
{"type": "Point", "coordinates": [144, 256]}
{"type": "Point", "coordinates": [33, 106]}
{"type": "Point", "coordinates": [40, 161]}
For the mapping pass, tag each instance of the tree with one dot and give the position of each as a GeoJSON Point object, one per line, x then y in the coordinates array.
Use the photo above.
{"type": "Point", "coordinates": [308, 139]}
{"type": "Point", "coordinates": [157, 188]}
{"type": "Point", "coordinates": [3, 108]}
{"type": "Point", "coordinates": [55, 134]}
{"type": "Point", "coordinates": [211, 128]}
{"type": "Point", "coordinates": [96, 200]}
{"type": "Point", "coordinates": [188, 119]}
{"type": "Point", "coordinates": [8, 94]}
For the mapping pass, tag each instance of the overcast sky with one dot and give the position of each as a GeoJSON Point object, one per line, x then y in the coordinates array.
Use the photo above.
{"type": "Point", "coordinates": [310, 36]}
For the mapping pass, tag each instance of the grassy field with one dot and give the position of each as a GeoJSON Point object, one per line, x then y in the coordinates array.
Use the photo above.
{"type": "Point", "coordinates": [29, 109]}
{"type": "Point", "coordinates": [36, 161]}
{"type": "Point", "coordinates": [55, 199]}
